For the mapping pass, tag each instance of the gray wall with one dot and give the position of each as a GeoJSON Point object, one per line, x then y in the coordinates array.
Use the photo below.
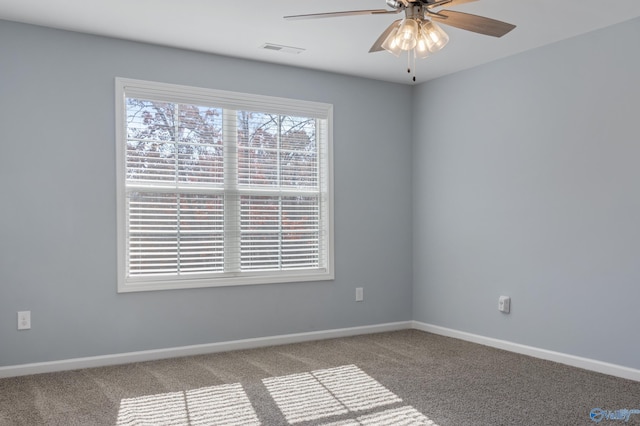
{"type": "Point", "coordinates": [527, 183]}
{"type": "Point", "coordinates": [58, 226]}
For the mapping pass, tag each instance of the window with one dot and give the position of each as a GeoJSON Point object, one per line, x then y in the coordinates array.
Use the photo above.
{"type": "Point", "coordinates": [219, 188]}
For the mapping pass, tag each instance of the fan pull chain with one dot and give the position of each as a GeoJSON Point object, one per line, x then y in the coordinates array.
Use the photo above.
{"type": "Point", "coordinates": [414, 66]}
{"type": "Point", "coordinates": [409, 67]}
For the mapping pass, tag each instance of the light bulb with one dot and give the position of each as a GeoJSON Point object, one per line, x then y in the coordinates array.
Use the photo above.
{"type": "Point", "coordinates": [435, 37]}
{"type": "Point", "coordinates": [422, 46]}
{"type": "Point", "coordinates": [407, 34]}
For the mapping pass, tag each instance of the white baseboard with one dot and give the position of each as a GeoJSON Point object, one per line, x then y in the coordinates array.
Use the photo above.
{"type": "Point", "coordinates": [150, 355]}
{"type": "Point", "coordinates": [562, 358]}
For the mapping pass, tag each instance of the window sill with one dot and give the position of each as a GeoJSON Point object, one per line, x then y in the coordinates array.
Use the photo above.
{"type": "Point", "coordinates": [138, 285]}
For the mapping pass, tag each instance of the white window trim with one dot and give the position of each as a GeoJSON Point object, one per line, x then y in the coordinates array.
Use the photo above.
{"type": "Point", "coordinates": [230, 100]}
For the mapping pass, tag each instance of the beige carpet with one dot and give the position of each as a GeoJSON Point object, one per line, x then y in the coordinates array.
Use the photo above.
{"type": "Point", "coordinates": [397, 378]}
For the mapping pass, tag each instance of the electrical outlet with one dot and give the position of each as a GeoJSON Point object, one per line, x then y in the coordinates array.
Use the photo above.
{"type": "Point", "coordinates": [359, 294]}
{"type": "Point", "coordinates": [504, 304]}
{"type": "Point", "coordinates": [24, 320]}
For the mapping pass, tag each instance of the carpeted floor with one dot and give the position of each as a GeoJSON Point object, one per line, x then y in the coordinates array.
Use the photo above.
{"type": "Point", "coordinates": [399, 378]}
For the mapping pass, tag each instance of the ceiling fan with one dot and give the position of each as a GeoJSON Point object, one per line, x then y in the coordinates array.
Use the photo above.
{"type": "Point", "coordinates": [418, 31]}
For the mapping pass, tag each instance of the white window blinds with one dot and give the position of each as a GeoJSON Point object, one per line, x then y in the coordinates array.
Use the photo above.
{"type": "Point", "coordinates": [217, 188]}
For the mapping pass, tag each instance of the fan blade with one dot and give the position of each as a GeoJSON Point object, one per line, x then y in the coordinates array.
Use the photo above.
{"type": "Point", "coordinates": [346, 13]}
{"type": "Point", "coordinates": [457, 2]}
{"type": "Point", "coordinates": [475, 23]}
{"type": "Point", "coordinates": [449, 3]}
{"type": "Point", "coordinates": [377, 46]}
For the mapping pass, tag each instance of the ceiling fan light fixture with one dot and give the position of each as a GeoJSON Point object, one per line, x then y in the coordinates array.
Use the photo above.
{"type": "Point", "coordinates": [434, 36]}
{"type": "Point", "coordinates": [416, 33]}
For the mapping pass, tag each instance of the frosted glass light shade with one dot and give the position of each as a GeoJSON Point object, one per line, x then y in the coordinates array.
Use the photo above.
{"type": "Point", "coordinates": [435, 37]}
{"type": "Point", "coordinates": [390, 45]}
{"type": "Point", "coordinates": [422, 46]}
{"type": "Point", "coordinates": [407, 34]}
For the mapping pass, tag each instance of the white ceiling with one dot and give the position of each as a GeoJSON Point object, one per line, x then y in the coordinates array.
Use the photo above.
{"type": "Point", "coordinates": [240, 28]}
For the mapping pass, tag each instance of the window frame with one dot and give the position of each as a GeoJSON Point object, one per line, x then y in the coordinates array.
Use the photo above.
{"type": "Point", "coordinates": [131, 88]}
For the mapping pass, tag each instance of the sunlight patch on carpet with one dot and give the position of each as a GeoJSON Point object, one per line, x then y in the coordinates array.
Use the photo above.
{"type": "Point", "coordinates": [225, 405]}
{"type": "Point", "coordinates": [301, 397]}
{"type": "Point", "coordinates": [340, 396]}
{"type": "Point", "coordinates": [322, 394]}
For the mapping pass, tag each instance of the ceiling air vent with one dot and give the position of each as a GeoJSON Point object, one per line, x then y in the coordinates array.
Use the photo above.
{"type": "Point", "coordinates": [281, 48]}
